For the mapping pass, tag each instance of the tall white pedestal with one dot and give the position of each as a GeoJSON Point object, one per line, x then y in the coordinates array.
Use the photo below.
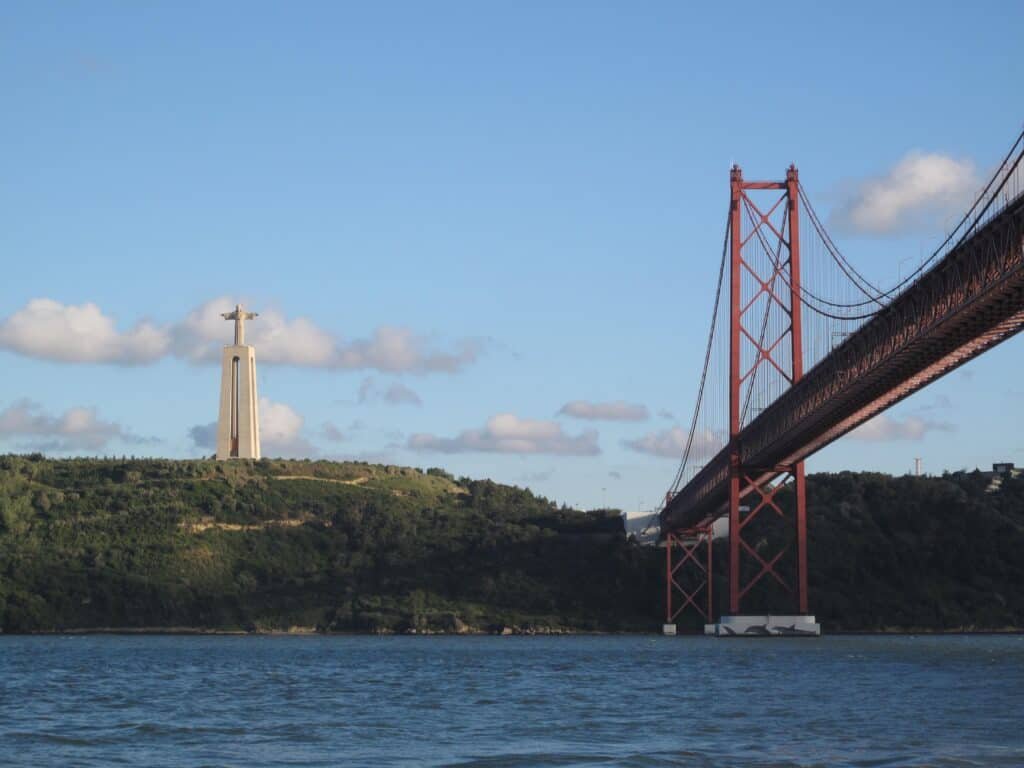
{"type": "Point", "coordinates": [238, 428]}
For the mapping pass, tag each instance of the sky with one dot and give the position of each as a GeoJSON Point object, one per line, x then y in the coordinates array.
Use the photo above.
{"type": "Point", "coordinates": [480, 236]}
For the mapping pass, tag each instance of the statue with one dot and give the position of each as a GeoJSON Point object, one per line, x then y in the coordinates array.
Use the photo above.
{"type": "Point", "coordinates": [239, 317]}
{"type": "Point", "coordinates": [238, 428]}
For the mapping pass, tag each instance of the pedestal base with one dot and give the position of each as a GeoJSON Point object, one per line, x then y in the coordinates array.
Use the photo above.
{"type": "Point", "coordinates": [668, 629]}
{"type": "Point", "coordinates": [764, 626]}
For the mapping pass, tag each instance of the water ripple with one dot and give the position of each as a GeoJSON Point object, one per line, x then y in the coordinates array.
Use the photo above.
{"type": "Point", "coordinates": [472, 702]}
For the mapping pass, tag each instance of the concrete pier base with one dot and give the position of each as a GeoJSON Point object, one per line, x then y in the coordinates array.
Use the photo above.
{"type": "Point", "coordinates": [764, 626]}
{"type": "Point", "coordinates": [668, 629]}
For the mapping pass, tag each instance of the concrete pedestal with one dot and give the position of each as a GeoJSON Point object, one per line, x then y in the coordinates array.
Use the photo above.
{"type": "Point", "coordinates": [764, 626]}
{"type": "Point", "coordinates": [668, 629]}
{"type": "Point", "coordinates": [238, 428]}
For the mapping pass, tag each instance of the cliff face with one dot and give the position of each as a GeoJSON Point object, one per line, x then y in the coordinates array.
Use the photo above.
{"type": "Point", "coordinates": [303, 546]}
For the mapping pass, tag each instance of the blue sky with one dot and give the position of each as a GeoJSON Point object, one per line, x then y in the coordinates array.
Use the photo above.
{"type": "Point", "coordinates": [493, 210]}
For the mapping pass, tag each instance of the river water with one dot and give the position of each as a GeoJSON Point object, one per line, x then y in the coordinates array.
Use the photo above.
{"type": "Point", "coordinates": [511, 701]}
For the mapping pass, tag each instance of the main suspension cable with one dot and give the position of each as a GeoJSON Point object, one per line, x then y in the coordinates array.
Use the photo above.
{"type": "Point", "coordinates": [707, 361]}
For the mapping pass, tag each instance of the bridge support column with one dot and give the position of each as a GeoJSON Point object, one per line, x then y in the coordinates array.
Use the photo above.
{"type": "Point", "coordinates": [688, 578]}
{"type": "Point", "coordinates": [800, 487]}
{"type": "Point", "coordinates": [766, 551]}
{"type": "Point", "coordinates": [768, 539]}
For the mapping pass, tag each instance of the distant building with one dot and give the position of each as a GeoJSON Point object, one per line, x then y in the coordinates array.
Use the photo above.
{"type": "Point", "coordinates": [642, 524]}
{"type": "Point", "coordinates": [646, 526]}
{"type": "Point", "coordinates": [999, 471]}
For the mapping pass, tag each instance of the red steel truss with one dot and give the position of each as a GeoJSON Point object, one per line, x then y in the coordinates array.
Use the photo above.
{"type": "Point", "coordinates": [689, 543]}
{"type": "Point", "coordinates": [744, 480]}
{"type": "Point", "coordinates": [971, 300]}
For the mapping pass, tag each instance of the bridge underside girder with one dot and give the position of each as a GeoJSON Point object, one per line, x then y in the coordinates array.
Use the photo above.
{"type": "Point", "coordinates": [970, 301]}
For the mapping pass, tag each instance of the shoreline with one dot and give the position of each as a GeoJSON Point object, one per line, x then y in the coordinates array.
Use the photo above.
{"type": "Point", "coordinates": [312, 632]}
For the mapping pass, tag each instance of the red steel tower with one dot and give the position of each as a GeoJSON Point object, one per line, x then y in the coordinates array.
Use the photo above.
{"type": "Point", "coordinates": [753, 490]}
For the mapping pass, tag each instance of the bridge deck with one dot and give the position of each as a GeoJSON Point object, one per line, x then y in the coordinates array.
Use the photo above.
{"type": "Point", "coordinates": [967, 303]}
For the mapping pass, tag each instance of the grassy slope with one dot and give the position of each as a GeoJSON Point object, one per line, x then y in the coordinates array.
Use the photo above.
{"type": "Point", "coordinates": [356, 547]}
{"type": "Point", "coordinates": [277, 544]}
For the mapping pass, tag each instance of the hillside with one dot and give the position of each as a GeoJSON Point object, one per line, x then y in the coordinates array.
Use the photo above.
{"type": "Point", "coordinates": [916, 552]}
{"type": "Point", "coordinates": [273, 545]}
{"type": "Point", "coordinates": [353, 547]}
{"type": "Point", "coordinates": [902, 553]}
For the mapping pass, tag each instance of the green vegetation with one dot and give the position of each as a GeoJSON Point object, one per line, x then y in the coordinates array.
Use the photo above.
{"type": "Point", "coordinates": [272, 545]}
{"type": "Point", "coordinates": [277, 545]}
{"type": "Point", "coordinates": [916, 552]}
{"type": "Point", "coordinates": [898, 553]}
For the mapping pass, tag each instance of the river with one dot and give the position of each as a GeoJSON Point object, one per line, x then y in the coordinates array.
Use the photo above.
{"type": "Point", "coordinates": [511, 701]}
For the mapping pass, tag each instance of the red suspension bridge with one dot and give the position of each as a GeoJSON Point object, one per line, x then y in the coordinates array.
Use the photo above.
{"type": "Point", "coordinates": [802, 349]}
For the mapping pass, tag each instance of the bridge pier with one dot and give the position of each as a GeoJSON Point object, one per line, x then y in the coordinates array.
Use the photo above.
{"type": "Point", "coordinates": [764, 626]}
{"type": "Point", "coordinates": [768, 538]}
{"type": "Point", "coordinates": [689, 577]}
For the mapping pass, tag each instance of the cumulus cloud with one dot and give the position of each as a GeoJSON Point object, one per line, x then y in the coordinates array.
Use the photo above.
{"type": "Point", "coordinates": [49, 330]}
{"type": "Point", "coordinates": [77, 429]}
{"type": "Point", "coordinates": [506, 433]}
{"type": "Point", "coordinates": [280, 433]}
{"type": "Point", "coordinates": [670, 444]}
{"type": "Point", "coordinates": [885, 428]}
{"type": "Point", "coordinates": [203, 333]}
{"type": "Point", "coordinates": [393, 349]}
{"type": "Point", "coordinates": [300, 342]}
{"type": "Point", "coordinates": [395, 394]}
{"type": "Point", "coordinates": [614, 411]}
{"type": "Point", "coordinates": [918, 192]}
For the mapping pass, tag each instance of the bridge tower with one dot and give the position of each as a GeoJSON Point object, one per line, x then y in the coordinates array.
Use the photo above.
{"type": "Point", "coordinates": [967, 297]}
{"type": "Point", "coordinates": [762, 549]}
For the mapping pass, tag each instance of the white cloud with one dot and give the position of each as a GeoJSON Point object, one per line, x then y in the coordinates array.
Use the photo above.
{"type": "Point", "coordinates": [280, 433]}
{"type": "Point", "coordinates": [203, 333]}
{"type": "Point", "coordinates": [614, 411]}
{"type": "Point", "coordinates": [49, 330]}
{"type": "Point", "coordinates": [77, 429]}
{"type": "Point", "coordinates": [885, 428]}
{"type": "Point", "coordinates": [395, 394]}
{"type": "Point", "coordinates": [918, 192]}
{"type": "Point", "coordinates": [506, 433]}
{"type": "Point", "coordinates": [393, 349]}
{"type": "Point", "coordinates": [670, 444]}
